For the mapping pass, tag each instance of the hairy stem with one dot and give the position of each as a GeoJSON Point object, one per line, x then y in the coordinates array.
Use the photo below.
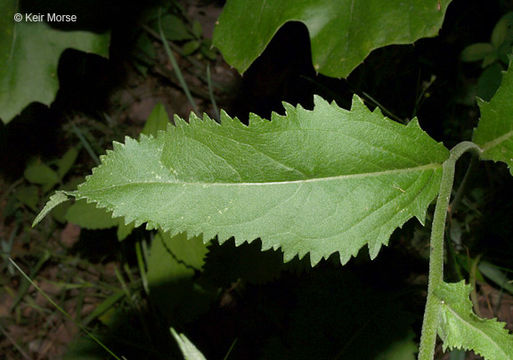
{"type": "Point", "coordinates": [436, 258]}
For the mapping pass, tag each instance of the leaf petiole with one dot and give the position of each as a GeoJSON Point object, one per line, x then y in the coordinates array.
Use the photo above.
{"type": "Point", "coordinates": [436, 258]}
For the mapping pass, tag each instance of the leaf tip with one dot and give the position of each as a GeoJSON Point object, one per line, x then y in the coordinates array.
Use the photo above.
{"type": "Point", "coordinates": [56, 199]}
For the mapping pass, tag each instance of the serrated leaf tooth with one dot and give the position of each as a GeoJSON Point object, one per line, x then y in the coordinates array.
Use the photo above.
{"type": "Point", "coordinates": [138, 222]}
{"type": "Point", "coordinates": [224, 118]}
{"type": "Point", "coordinates": [414, 123]}
{"type": "Point", "coordinates": [117, 146]}
{"type": "Point", "coordinates": [254, 120]}
{"type": "Point", "coordinates": [209, 234]}
{"type": "Point", "coordinates": [422, 218]}
{"type": "Point", "coordinates": [191, 235]}
{"type": "Point", "coordinates": [315, 258]}
{"type": "Point", "coordinates": [194, 119]}
{"type": "Point", "coordinates": [377, 111]}
{"type": "Point", "coordinates": [179, 122]}
{"type": "Point", "coordinates": [238, 240]}
{"type": "Point", "coordinates": [267, 246]}
{"type": "Point", "coordinates": [196, 232]}
{"type": "Point", "coordinates": [207, 118]}
{"type": "Point", "coordinates": [343, 258]}
{"type": "Point", "coordinates": [223, 114]}
{"type": "Point", "coordinates": [288, 256]}
{"type": "Point", "coordinates": [374, 248]}
{"type": "Point", "coordinates": [357, 104]}
{"type": "Point", "coordinates": [319, 101]}
{"type": "Point", "coordinates": [129, 141]}
{"type": "Point", "coordinates": [289, 109]}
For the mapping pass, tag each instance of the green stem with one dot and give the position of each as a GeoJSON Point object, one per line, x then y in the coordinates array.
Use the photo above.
{"type": "Point", "coordinates": [436, 258]}
{"type": "Point", "coordinates": [211, 94]}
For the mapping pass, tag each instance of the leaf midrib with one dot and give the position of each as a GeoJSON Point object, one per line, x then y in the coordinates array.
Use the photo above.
{"type": "Point", "coordinates": [431, 166]}
{"type": "Point", "coordinates": [497, 141]}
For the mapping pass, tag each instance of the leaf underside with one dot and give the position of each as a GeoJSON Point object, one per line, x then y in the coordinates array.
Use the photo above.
{"type": "Point", "coordinates": [318, 182]}
{"type": "Point", "coordinates": [460, 328]}
{"type": "Point", "coordinates": [29, 57]}
{"type": "Point", "coordinates": [342, 32]}
{"type": "Point", "coordinates": [494, 133]}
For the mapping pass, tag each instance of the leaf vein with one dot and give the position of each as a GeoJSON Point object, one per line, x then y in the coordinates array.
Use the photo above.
{"type": "Point", "coordinates": [432, 166]}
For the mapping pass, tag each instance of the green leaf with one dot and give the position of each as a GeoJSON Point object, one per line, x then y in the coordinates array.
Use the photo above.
{"type": "Point", "coordinates": [189, 254]}
{"type": "Point", "coordinates": [188, 349]}
{"type": "Point", "coordinates": [60, 211]}
{"type": "Point", "coordinates": [491, 58]}
{"type": "Point", "coordinates": [29, 57]}
{"type": "Point", "coordinates": [172, 265]}
{"type": "Point", "coordinates": [174, 28]}
{"type": "Point", "coordinates": [39, 173]}
{"type": "Point", "coordinates": [58, 198]}
{"type": "Point", "coordinates": [460, 328]}
{"type": "Point", "coordinates": [477, 51]}
{"type": "Point", "coordinates": [493, 273]}
{"type": "Point", "coordinates": [28, 195]}
{"type": "Point", "coordinates": [207, 50]}
{"type": "Point", "coordinates": [322, 181]}
{"type": "Point", "coordinates": [457, 355]}
{"type": "Point", "coordinates": [88, 216]}
{"type": "Point", "coordinates": [124, 230]}
{"type": "Point", "coordinates": [65, 163]}
{"type": "Point", "coordinates": [503, 30]}
{"type": "Point", "coordinates": [190, 47]}
{"type": "Point", "coordinates": [197, 30]}
{"type": "Point", "coordinates": [342, 32]}
{"type": "Point", "coordinates": [489, 81]}
{"type": "Point", "coordinates": [494, 133]}
{"type": "Point", "coordinates": [144, 49]}
{"type": "Point", "coordinates": [158, 120]}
